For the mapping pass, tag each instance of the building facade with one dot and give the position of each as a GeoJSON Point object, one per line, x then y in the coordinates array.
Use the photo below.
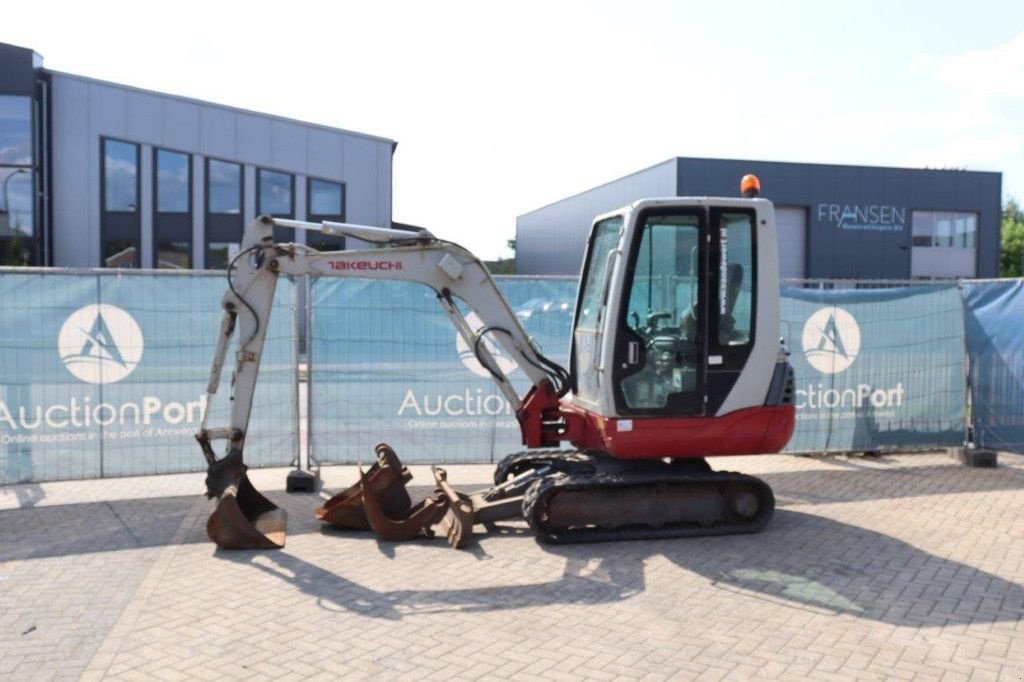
{"type": "Point", "coordinates": [838, 222]}
{"type": "Point", "coordinates": [100, 174]}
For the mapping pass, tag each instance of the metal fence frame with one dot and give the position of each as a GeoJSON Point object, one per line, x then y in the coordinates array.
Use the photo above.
{"type": "Point", "coordinates": [117, 273]}
{"type": "Point", "coordinates": [310, 344]}
{"type": "Point", "coordinates": [301, 307]}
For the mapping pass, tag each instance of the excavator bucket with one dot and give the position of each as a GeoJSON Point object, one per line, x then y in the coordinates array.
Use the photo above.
{"type": "Point", "coordinates": [457, 522]}
{"type": "Point", "coordinates": [386, 479]}
{"type": "Point", "coordinates": [243, 518]}
{"type": "Point", "coordinates": [417, 522]}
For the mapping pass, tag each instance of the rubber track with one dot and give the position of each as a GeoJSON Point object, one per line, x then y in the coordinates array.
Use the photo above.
{"type": "Point", "coordinates": [538, 494]}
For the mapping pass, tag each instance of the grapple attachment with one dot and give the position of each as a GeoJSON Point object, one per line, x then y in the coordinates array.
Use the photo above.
{"type": "Point", "coordinates": [243, 518]}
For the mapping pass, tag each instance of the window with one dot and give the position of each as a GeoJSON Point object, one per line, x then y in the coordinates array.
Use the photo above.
{"type": "Point", "coordinates": [274, 193]}
{"type": "Point", "coordinates": [325, 201]}
{"type": "Point", "coordinates": [15, 131]}
{"type": "Point", "coordinates": [662, 324]}
{"type": "Point", "coordinates": [173, 180]}
{"type": "Point", "coordinates": [603, 240]}
{"type": "Point", "coordinates": [945, 229]}
{"type": "Point", "coordinates": [736, 277]}
{"type": "Point", "coordinates": [174, 255]}
{"type": "Point", "coordinates": [17, 198]}
{"type": "Point", "coordinates": [219, 254]}
{"type": "Point", "coordinates": [16, 205]}
{"type": "Point", "coordinates": [120, 176]}
{"type": "Point", "coordinates": [223, 211]}
{"type": "Point", "coordinates": [223, 187]}
{"type": "Point", "coordinates": [172, 215]}
{"type": "Point", "coordinates": [120, 218]}
{"type": "Point", "coordinates": [120, 253]}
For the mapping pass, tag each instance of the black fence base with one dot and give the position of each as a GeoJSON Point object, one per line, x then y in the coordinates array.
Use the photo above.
{"type": "Point", "coordinates": [300, 481]}
{"type": "Point", "coordinates": [974, 457]}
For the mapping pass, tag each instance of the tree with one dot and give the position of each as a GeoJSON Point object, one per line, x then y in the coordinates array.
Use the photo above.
{"type": "Point", "coordinates": [16, 254]}
{"type": "Point", "coordinates": [1011, 257]}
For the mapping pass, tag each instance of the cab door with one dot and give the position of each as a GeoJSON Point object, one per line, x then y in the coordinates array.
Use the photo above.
{"type": "Point", "coordinates": [660, 349]}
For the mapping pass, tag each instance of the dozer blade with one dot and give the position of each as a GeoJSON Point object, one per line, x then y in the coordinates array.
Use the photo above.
{"type": "Point", "coordinates": [386, 478]}
{"type": "Point", "coordinates": [457, 522]}
{"type": "Point", "coordinates": [243, 519]}
{"type": "Point", "coordinates": [418, 521]}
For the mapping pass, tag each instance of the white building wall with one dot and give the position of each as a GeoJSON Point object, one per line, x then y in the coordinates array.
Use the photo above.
{"type": "Point", "coordinates": [84, 110]}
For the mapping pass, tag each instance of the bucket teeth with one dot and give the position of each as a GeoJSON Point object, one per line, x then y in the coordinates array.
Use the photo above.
{"type": "Point", "coordinates": [243, 518]}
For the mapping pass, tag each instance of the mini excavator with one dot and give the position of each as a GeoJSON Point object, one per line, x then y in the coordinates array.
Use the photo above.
{"type": "Point", "coordinates": [675, 356]}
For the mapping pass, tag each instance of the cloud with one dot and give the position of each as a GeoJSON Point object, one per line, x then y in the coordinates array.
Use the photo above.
{"type": "Point", "coordinates": [995, 72]}
{"type": "Point", "coordinates": [983, 124]}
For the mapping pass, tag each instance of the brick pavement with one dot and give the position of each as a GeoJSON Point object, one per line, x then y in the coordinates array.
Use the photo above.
{"type": "Point", "coordinates": [906, 567]}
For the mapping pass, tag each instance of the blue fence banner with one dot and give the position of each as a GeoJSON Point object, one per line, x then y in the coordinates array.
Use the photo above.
{"type": "Point", "coordinates": [105, 374]}
{"type": "Point", "coordinates": [876, 369]}
{"type": "Point", "coordinates": [387, 365]}
{"type": "Point", "coordinates": [994, 322]}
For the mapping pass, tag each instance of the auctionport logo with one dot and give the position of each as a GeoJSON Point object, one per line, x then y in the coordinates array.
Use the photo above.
{"type": "Point", "coordinates": [100, 344]}
{"type": "Point", "coordinates": [831, 340]}
{"type": "Point", "coordinates": [468, 357]}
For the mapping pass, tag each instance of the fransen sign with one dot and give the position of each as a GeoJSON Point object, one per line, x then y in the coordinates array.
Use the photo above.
{"type": "Point", "coordinates": [99, 344]}
{"type": "Point", "coordinates": [831, 342]}
{"type": "Point", "coordinates": [864, 217]}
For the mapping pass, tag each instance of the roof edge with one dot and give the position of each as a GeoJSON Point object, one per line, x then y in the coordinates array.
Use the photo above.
{"type": "Point", "coordinates": [208, 103]}
{"type": "Point", "coordinates": [838, 165]}
{"type": "Point", "coordinates": [673, 159]}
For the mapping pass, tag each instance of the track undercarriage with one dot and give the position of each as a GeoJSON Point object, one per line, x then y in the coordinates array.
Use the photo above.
{"type": "Point", "coordinates": [564, 496]}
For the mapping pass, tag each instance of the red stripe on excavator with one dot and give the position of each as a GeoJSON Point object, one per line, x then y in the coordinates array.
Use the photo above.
{"type": "Point", "coordinates": [755, 430]}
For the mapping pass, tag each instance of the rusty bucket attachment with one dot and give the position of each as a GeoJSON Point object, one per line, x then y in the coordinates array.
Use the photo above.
{"type": "Point", "coordinates": [243, 519]}
{"type": "Point", "coordinates": [457, 522]}
{"type": "Point", "coordinates": [416, 522]}
{"type": "Point", "coordinates": [386, 479]}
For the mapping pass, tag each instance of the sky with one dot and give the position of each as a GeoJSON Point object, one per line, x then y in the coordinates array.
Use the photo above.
{"type": "Point", "coordinates": [500, 108]}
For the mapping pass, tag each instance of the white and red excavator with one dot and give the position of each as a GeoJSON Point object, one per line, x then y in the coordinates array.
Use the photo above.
{"type": "Point", "coordinates": [675, 356]}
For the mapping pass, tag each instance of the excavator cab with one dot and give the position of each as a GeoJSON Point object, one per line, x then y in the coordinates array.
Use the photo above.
{"type": "Point", "coordinates": [676, 328]}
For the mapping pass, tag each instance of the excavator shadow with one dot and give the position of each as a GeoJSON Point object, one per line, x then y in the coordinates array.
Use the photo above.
{"type": "Point", "coordinates": [802, 561]}
{"type": "Point", "coordinates": [828, 566]}
{"type": "Point", "coordinates": [587, 580]}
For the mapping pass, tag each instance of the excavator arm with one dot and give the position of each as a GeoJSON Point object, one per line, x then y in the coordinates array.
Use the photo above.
{"type": "Point", "coordinates": [450, 270]}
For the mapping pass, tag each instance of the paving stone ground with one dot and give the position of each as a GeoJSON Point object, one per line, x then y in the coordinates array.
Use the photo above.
{"type": "Point", "coordinates": [902, 567]}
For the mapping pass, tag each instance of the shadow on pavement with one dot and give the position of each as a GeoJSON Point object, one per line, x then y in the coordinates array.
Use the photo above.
{"type": "Point", "coordinates": [858, 482]}
{"type": "Point", "coordinates": [836, 567]}
{"type": "Point", "coordinates": [610, 579]}
{"type": "Point", "coordinates": [803, 560]}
